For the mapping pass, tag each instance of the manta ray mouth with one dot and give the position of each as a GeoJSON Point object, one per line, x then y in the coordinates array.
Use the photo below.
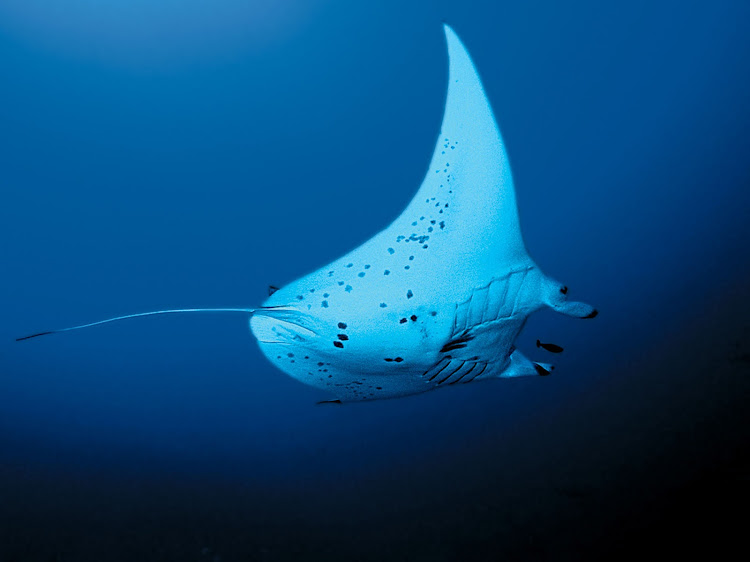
{"type": "Point", "coordinates": [283, 326]}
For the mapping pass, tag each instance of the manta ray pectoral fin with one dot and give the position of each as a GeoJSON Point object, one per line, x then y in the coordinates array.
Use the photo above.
{"type": "Point", "coordinates": [522, 366]}
{"type": "Point", "coordinates": [334, 401]}
{"type": "Point", "coordinates": [576, 309]}
{"type": "Point", "coordinates": [543, 369]}
{"type": "Point", "coordinates": [555, 295]}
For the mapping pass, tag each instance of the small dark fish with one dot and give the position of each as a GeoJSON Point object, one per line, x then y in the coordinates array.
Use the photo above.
{"type": "Point", "coordinates": [551, 347]}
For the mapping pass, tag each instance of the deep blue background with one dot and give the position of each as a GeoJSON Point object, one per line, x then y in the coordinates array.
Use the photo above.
{"type": "Point", "coordinates": [172, 154]}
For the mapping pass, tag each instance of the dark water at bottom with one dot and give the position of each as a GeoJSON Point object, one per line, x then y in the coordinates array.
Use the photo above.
{"type": "Point", "coordinates": [663, 477]}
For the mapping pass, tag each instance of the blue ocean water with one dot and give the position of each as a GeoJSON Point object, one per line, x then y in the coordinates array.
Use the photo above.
{"type": "Point", "coordinates": [189, 154]}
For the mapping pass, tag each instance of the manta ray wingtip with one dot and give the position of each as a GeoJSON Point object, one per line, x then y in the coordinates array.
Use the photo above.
{"type": "Point", "coordinates": [450, 34]}
{"type": "Point", "coordinates": [543, 369]}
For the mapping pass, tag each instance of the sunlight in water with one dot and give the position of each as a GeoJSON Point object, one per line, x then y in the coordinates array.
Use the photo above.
{"type": "Point", "coordinates": [144, 32]}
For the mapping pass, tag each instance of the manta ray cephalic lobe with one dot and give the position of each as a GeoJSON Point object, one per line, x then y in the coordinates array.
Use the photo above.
{"type": "Point", "coordinates": [436, 298]}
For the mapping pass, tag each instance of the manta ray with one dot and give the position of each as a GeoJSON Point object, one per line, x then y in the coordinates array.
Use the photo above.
{"type": "Point", "coordinates": [435, 299]}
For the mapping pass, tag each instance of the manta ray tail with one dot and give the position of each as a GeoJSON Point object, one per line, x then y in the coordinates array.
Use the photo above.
{"type": "Point", "coordinates": [259, 310]}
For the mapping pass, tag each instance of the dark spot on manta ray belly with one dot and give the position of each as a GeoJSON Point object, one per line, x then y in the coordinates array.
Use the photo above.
{"type": "Point", "coordinates": [343, 337]}
{"type": "Point", "coordinates": [338, 344]}
{"type": "Point", "coordinates": [409, 294]}
{"type": "Point", "coordinates": [342, 326]}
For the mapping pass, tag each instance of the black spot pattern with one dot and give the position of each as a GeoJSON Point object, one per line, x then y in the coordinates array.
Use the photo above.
{"type": "Point", "coordinates": [338, 344]}
{"type": "Point", "coordinates": [342, 326]}
{"type": "Point", "coordinates": [421, 235]}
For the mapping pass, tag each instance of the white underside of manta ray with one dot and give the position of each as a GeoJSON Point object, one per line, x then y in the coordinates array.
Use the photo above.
{"type": "Point", "coordinates": [436, 298]}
